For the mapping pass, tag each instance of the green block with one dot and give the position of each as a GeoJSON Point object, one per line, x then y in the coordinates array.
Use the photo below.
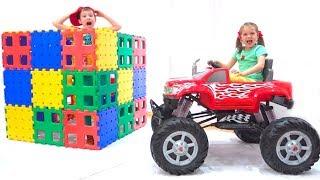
{"type": "Point", "coordinates": [89, 90]}
{"type": "Point", "coordinates": [126, 119]}
{"type": "Point", "coordinates": [125, 50]}
{"type": "Point", "coordinates": [48, 126]}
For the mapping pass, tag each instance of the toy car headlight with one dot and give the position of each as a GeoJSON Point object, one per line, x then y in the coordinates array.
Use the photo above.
{"type": "Point", "coordinates": [171, 90]}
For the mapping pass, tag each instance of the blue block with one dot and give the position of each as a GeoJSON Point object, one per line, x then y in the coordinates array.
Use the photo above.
{"type": "Point", "coordinates": [139, 82]}
{"type": "Point", "coordinates": [46, 50]}
{"type": "Point", "coordinates": [17, 89]}
{"type": "Point", "coordinates": [108, 126]}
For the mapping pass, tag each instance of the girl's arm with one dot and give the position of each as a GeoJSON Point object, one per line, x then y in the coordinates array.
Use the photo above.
{"type": "Point", "coordinates": [115, 25]}
{"type": "Point", "coordinates": [59, 23]}
{"type": "Point", "coordinates": [257, 68]}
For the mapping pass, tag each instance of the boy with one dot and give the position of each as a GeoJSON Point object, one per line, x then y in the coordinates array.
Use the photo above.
{"type": "Point", "coordinates": [85, 17]}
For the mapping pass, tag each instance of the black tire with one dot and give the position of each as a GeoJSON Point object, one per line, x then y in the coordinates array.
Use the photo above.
{"type": "Point", "coordinates": [174, 129]}
{"type": "Point", "coordinates": [248, 135]}
{"type": "Point", "coordinates": [293, 138]}
{"type": "Point", "coordinates": [165, 112]}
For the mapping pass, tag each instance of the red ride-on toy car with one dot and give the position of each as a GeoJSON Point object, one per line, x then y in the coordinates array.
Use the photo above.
{"type": "Point", "coordinates": [179, 144]}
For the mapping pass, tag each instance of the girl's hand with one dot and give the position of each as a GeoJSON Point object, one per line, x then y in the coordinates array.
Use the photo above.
{"type": "Point", "coordinates": [234, 71]}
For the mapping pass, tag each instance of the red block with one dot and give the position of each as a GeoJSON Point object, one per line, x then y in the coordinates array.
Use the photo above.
{"type": "Point", "coordinates": [81, 129]}
{"type": "Point", "coordinates": [140, 113]}
{"type": "Point", "coordinates": [16, 50]}
{"type": "Point", "coordinates": [78, 50]}
{"type": "Point", "coordinates": [139, 51]}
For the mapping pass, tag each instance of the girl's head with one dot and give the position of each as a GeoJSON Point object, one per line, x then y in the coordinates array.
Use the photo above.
{"type": "Point", "coordinates": [248, 36]}
{"type": "Point", "coordinates": [85, 16]}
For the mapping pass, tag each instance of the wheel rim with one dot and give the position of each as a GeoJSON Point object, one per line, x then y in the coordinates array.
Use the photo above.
{"type": "Point", "coordinates": [294, 148]}
{"type": "Point", "coordinates": [180, 148]}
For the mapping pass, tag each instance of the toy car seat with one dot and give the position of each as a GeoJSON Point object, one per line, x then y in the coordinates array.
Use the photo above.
{"type": "Point", "coordinates": [267, 71]}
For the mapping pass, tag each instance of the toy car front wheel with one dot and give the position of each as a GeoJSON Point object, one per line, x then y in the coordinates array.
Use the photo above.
{"type": "Point", "coordinates": [155, 121]}
{"type": "Point", "coordinates": [290, 145]}
{"type": "Point", "coordinates": [179, 146]}
{"type": "Point", "coordinates": [248, 135]}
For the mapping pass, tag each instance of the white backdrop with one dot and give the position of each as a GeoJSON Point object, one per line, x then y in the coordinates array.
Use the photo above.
{"type": "Point", "coordinates": [180, 31]}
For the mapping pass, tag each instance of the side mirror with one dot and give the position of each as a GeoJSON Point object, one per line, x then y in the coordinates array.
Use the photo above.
{"type": "Point", "coordinates": [194, 67]}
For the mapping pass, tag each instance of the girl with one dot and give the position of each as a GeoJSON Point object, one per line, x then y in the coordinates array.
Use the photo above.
{"type": "Point", "coordinates": [250, 54]}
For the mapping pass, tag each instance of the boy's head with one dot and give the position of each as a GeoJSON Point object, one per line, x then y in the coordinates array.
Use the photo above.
{"type": "Point", "coordinates": [84, 16]}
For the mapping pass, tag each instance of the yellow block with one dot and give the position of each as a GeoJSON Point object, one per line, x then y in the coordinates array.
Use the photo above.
{"type": "Point", "coordinates": [106, 49]}
{"type": "Point", "coordinates": [47, 88]}
{"type": "Point", "coordinates": [125, 85]}
{"type": "Point", "coordinates": [19, 123]}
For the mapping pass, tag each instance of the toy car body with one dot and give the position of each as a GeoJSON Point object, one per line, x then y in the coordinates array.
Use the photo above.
{"type": "Point", "coordinates": [179, 144]}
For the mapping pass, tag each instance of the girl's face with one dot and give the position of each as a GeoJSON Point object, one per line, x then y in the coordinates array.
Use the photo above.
{"type": "Point", "coordinates": [87, 18]}
{"type": "Point", "coordinates": [248, 36]}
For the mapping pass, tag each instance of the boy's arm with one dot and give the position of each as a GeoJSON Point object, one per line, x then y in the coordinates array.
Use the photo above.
{"type": "Point", "coordinates": [115, 25]}
{"type": "Point", "coordinates": [59, 23]}
{"type": "Point", "coordinates": [257, 68]}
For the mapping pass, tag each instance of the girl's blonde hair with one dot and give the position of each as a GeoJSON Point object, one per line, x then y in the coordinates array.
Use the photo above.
{"type": "Point", "coordinates": [260, 36]}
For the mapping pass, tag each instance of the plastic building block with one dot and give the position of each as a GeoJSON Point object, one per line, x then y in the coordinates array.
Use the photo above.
{"type": "Point", "coordinates": [139, 52]}
{"type": "Point", "coordinates": [17, 89]}
{"type": "Point", "coordinates": [47, 88]}
{"type": "Point", "coordinates": [48, 126]}
{"type": "Point", "coordinates": [126, 121]}
{"type": "Point", "coordinates": [46, 49]}
{"type": "Point", "coordinates": [125, 86]}
{"type": "Point", "coordinates": [140, 113]}
{"type": "Point", "coordinates": [90, 90]}
{"type": "Point", "coordinates": [81, 129]}
{"type": "Point", "coordinates": [16, 50]}
{"type": "Point", "coordinates": [19, 123]}
{"type": "Point", "coordinates": [106, 49]}
{"type": "Point", "coordinates": [78, 50]}
{"type": "Point", "coordinates": [125, 51]}
{"type": "Point", "coordinates": [139, 83]}
{"type": "Point", "coordinates": [108, 126]}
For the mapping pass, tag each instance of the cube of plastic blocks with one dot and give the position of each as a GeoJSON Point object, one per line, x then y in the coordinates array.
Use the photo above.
{"type": "Point", "coordinates": [125, 119]}
{"type": "Point", "coordinates": [17, 89]}
{"type": "Point", "coordinates": [48, 126]}
{"type": "Point", "coordinates": [19, 123]}
{"type": "Point", "coordinates": [139, 51]}
{"type": "Point", "coordinates": [81, 129]}
{"type": "Point", "coordinates": [47, 88]}
{"type": "Point", "coordinates": [140, 113]}
{"type": "Point", "coordinates": [46, 49]}
{"type": "Point", "coordinates": [78, 50]}
{"type": "Point", "coordinates": [16, 50]}
{"type": "Point", "coordinates": [108, 126]}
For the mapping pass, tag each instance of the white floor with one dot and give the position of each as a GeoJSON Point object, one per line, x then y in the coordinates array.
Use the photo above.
{"type": "Point", "coordinates": [130, 158]}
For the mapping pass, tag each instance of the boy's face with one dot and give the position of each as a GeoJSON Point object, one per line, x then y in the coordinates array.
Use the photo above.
{"type": "Point", "coordinates": [249, 36]}
{"type": "Point", "coordinates": [87, 18]}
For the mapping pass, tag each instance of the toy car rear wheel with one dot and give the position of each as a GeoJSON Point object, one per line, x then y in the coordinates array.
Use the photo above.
{"type": "Point", "coordinates": [248, 135]}
{"type": "Point", "coordinates": [290, 145]}
{"type": "Point", "coordinates": [179, 146]}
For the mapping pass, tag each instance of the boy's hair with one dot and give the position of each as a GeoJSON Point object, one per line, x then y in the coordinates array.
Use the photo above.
{"type": "Point", "coordinates": [260, 38]}
{"type": "Point", "coordinates": [85, 9]}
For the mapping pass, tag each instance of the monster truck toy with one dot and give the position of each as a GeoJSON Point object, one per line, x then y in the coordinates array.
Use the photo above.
{"type": "Point", "coordinates": [179, 144]}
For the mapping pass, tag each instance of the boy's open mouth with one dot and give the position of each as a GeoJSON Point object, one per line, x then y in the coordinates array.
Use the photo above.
{"type": "Point", "coordinates": [89, 23]}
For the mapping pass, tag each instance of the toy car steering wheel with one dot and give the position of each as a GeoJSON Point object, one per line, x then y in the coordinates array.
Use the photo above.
{"type": "Point", "coordinates": [214, 64]}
